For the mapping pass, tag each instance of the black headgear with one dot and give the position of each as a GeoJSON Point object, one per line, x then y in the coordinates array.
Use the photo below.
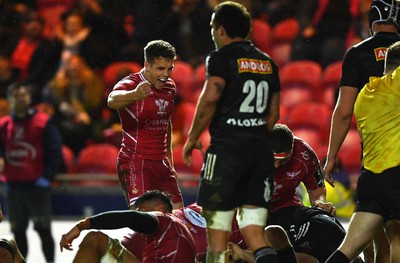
{"type": "Point", "coordinates": [384, 11]}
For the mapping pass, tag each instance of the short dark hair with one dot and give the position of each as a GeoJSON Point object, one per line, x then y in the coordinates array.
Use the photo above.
{"type": "Point", "coordinates": [392, 60]}
{"type": "Point", "coordinates": [155, 195]}
{"type": "Point", "coordinates": [16, 86]}
{"type": "Point", "coordinates": [234, 17]}
{"type": "Point", "coordinates": [158, 48]}
{"type": "Point", "coordinates": [281, 138]}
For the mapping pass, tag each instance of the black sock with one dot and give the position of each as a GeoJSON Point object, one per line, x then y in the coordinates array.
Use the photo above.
{"type": "Point", "coordinates": [337, 257]}
{"type": "Point", "coordinates": [287, 255]}
{"type": "Point", "coordinates": [265, 255]}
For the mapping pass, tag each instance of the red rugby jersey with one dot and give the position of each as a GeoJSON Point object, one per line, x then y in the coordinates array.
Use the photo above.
{"type": "Point", "coordinates": [191, 217]}
{"type": "Point", "coordinates": [172, 242]}
{"type": "Point", "coordinates": [304, 167]}
{"type": "Point", "coordinates": [145, 122]}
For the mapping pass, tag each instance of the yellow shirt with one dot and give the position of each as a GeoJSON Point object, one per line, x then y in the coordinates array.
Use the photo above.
{"type": "Point", "coordinates": [377, 110]}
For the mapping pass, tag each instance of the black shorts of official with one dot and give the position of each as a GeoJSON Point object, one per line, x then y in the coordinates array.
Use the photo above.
{"type": "Point", "coordinates": [311, 231]}
{"type": "Point", "coordinates": [236, 175]}
{"type": "Point", "coordinates": [379, 193]}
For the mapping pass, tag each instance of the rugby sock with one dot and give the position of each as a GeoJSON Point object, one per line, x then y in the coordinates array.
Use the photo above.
{"type": "Point", "coordinates": [337, 257]}
{"type": "Point", "coordinates": [287, 255]}
{"type": "Point", "coordinates": [265, 255]}
{"type": "Point", "coordinates": [215, 257]}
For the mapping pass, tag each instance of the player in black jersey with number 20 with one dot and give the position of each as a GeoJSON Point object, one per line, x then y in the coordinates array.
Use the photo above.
{"type": "Point", "coordinates": [240, 102]}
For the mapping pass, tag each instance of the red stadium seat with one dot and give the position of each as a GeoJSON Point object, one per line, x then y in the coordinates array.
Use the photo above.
{"type": "Point", "coordinates": [350, 152]}
{"type": "Point", "coordinates": [69, 158]}
{"type": "Point", "coordinates": [300, 82]}
{"type": "Point", "coordinates": [181, 120]}
{"type": "Point", "coordinates": [199, 76]}
{"type": "Point", "coordinates": [311, 115]}
{"type": "Point", "coordinates": [280, 53]}
{"type": "Point", "coordinates": [97, 159]}
{"type": "Point", "coordinates": [261, 35]}
{"type": "Point", "coordinates": [283, 34]}
{"type": "Point", "coordinates": [113, 135]}
{"type": "Point", "coordinates": [330, 83]}
{"type": "Point", "coordinates": [188, 174]}
{"type": "Point", "coordinates": [283, 112]}
{"type": "Point", "coordinates": [183, 77]}
{"type": "Point", "coordinates": [118, 70]}
{"type": "Point", "coordinates": [285, 31]}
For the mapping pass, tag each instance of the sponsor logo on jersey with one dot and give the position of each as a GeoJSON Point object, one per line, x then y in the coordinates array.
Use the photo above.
{"type": "Point", "coordinates": [156, 125]}
{"type": "Point", "coordinates": [21, 151]}
{"type": "Point", "coordinates": [380, 53]}
{"type": "Point", "coordinates": [162, 104]}
{"type": "Point", "coordinates": [254, 66]}
{"type": "Point", "coordinates": [253, 122]}
{"type": "Point", "coordinates": [306, 155]}
{"type": "Point", "coordinates": [292, 174]}
{"type": "Point", "coordinates": [195, 218]}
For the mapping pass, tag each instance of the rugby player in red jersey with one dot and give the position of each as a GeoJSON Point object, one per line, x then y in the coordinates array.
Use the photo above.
{"type": "Point", "coordinates": [145, 101]}
{"type": "Point", "coordinates": [165, 237]}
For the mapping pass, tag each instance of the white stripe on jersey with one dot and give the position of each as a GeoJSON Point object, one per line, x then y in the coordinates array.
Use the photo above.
{"type": "Point", "coordinates": [131, 114]}
{"type": "Point", "coordinates": [129, 135]}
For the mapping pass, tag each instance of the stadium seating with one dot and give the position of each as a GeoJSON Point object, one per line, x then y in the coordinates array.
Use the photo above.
{"type": "Point", "coordinates": [199, 76]}
{"type": "Point", "coordinates": [189, 175]}
{"type": "Point", "coordinates": [96, 159]}
{"type": "Point", "coordinates": [330, 83]}
{"type": "Point", "coordinates": [311, 121]}
{"type": "Point", "coordinates": [181, 120]}
{"type": "Point", "coordinates": [283, 35]}
{"type": "Point", "coordinates": [69, 158]}
{"type": "Point", "coordinates": [117, 70]}
{"type": "Point", "coordinates": [300, 82]}
{"type": "Point", "coordinates": [261, 35]}
{"type": "Point", "coordinates": [285, 31]}
{"type": "Point", "coordinates": [350, 152]}
{"type": "Point", "coordinates": [183, 76]}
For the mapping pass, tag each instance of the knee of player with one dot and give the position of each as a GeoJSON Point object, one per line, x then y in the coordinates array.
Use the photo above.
{"type": "Point", "coordinates": [277, 237]}
{"type": "Point", "coordinates": [95, 240]}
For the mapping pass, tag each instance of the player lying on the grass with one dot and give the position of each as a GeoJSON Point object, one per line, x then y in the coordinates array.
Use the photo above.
{"type": "Point", "coordinates": [167, 239]}
{"type": "Point", "coordinates": [134, 246]}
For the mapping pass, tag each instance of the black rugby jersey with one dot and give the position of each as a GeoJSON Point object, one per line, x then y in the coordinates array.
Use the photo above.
{"type": "Point", "coordinates": [366, 59]}
{"type": "Point", "coordinates": [251, 78]}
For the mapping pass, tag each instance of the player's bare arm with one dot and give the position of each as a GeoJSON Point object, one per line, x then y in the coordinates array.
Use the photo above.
{"type": "Point", "coordinates": [119, 99]}
{"type": "Point", "coordinates": [340, 125]}
{"type": "Point", "coordinates": [206, 106]}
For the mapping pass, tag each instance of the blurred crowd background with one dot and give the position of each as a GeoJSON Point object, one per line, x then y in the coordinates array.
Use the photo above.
{"type": "Point", "coordinates": [71, 53]}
